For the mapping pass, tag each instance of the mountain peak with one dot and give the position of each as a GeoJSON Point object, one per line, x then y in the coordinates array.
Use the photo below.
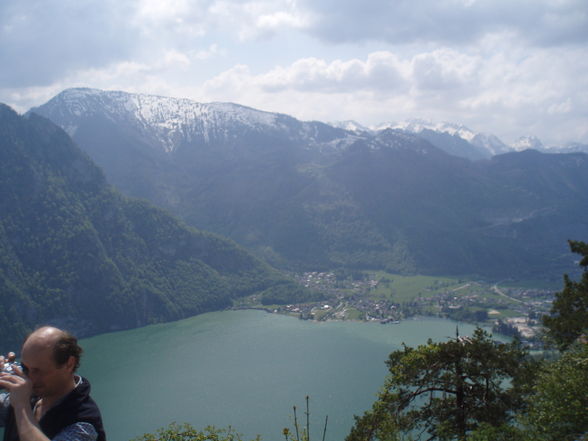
{"type": "Point", "coordinates": [528, 142]}
{"type": "Point", "coordinates": [491, 143]}
{"type": "Point", "coordinates": [416, 125]}
{"type": "Point", "coordinates": [350, 125]}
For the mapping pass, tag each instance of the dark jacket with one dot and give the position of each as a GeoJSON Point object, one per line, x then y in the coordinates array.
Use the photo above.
{"type": "Point", "coordinates": [75, 407]}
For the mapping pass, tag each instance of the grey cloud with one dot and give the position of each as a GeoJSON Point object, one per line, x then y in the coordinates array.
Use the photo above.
{"type": "Point", "coordinates": [541, 22]}
{"type": "Point", "coordinates": [379, 73]}
{"type": "Point", "coordinates": [444, 70]}
{"type": "Point", "coordinates": [429, 74]}
{"type": "Point", "coordinates": [43, 40]}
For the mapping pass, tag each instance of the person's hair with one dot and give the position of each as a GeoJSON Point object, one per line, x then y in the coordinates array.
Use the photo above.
{"type": "Point", "coordinates": [67, 346]}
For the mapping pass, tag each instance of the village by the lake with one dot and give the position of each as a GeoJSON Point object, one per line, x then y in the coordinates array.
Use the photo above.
{"type": "Point", "coordinates": [388, 299]}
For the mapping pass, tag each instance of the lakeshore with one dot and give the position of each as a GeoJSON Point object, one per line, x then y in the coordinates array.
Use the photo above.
{"type": "Point", "coordinates": [389, 299]}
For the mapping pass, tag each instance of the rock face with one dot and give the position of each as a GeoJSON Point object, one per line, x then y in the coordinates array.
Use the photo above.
{"type": "Point", "coordinates": [307, 195]}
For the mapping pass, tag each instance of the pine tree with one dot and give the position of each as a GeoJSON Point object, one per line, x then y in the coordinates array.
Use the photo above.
{"type": "Point", "coordinates": [569, 313]}
{"type": "Point", "coordinates": [445, 390]}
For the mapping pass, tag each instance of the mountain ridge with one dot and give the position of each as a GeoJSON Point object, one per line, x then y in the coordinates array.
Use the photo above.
{"type": "Point", "coordinates": [167, 119]}
{"type": "Point", "coordinates": [169, 116]}
{"type": "Point", "coordinates": [484, 144]}
{"type": "Point", "coordinates": [309, 196]}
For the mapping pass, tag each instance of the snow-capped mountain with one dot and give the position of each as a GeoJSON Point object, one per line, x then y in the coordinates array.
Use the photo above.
{"type": "Point", "coordinates": [350, 125]}
{"type": "Point", "coordinates": [490, 143]}
{"type": "Point", "coordinates": [170, 121]}
{"type": "Point", "coordinates": [532, 142]}
{"type": "Point", "coordinates": [455, 139]}
{"type": "Point", "coordinates": [418, 125]}
{"type": "Point", "coordinates": [484, 144]}
{"type": "Point", "coordinates": [573, 147]}
{"type": "Point", "coordinates": [535, 143]}
{"type": "Point", "coordinates": [528, 142]}
{"type": "Point", "coordinates": [167, 124]}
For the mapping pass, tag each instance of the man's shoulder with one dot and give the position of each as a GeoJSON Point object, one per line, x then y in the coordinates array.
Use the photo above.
{"type": "Point", "coordinates": [80, 431]}
{"type": "Point", "coordinates": [76, 407]}
{"type": "Point", "coordinates": [80, 396]}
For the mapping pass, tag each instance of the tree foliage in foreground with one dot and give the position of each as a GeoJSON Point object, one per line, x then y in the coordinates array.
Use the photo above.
{"type": "Point", "coordinates": [186, 432]}
{"type": "Point", "coordinates": [558, 408]}
{"type": "Point", "coordinates": [569, 313]}
{"type": "Point", "coordinates": [504, 432]}
{"type": "Point", "coordinates": [445, 390]}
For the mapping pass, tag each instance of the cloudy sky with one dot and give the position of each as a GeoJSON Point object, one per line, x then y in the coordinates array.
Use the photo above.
{"type": "Point", "coordinates": [507, 67]}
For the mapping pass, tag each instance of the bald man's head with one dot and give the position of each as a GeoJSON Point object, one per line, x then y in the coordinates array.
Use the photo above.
{"type": "Point", "coordinates": [62, 344]}
{"type": "Point", "coordinates": [49, 359]}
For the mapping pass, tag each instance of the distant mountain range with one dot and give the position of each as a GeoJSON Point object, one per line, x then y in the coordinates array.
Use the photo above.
{"type": "Point", "coordinates": [458, 140]}
{"type": "Point", "coordinates": [309, 195]}
{"type": "Point", "coordinates": [76, 253]}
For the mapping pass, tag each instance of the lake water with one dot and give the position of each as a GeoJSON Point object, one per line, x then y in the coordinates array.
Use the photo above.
{"type": "Point", "coordinates": [245, 369]}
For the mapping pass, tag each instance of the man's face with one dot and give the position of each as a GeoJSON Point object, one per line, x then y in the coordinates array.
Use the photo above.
{"type": "Point", "coordinates": [47, 378]}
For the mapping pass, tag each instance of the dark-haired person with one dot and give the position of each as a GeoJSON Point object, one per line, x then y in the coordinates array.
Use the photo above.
{"type": "Point", "coordinates": [47, 400]}
{"type": "Point", "coordinates": [9, 362]}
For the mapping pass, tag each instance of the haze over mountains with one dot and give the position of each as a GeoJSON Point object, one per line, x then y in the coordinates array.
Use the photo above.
{"type": "Point", "coordinates": [308, 195]}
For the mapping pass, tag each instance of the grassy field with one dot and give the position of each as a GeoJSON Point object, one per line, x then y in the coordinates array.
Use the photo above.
{"type": "Point", "coordinates": [406, 288]}
{"type": "Point", "coordinates": [472, 295]}
{"type": "Point", "coordinates": [354, 314]}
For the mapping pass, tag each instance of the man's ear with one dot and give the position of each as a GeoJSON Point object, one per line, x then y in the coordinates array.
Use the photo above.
{"type": "Point", "coordinates": [71, 363]}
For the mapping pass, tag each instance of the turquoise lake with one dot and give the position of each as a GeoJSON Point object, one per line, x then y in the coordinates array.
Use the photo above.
{"type": "Point", "coordinates": [245, 369]}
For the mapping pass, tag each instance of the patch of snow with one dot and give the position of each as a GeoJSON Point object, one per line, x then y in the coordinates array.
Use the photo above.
{"type": "Point", "coordinates": [166, 119]}
{"type": "Point", "coordinates": [528, 142]}
{"type": "Point", "coordinates": [350, 125]}
{"type": "Point", "coordinates": [418, 125]}
{"type": "Point", "coordinates": [491, 143]}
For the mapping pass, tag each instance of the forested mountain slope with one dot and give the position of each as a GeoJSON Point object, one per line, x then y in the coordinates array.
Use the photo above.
{"type": "Point", "coordinates": [76, 253]}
